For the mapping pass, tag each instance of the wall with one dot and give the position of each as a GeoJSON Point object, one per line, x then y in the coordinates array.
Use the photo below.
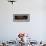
{"type": "Point", "coordinates": [37, 25]}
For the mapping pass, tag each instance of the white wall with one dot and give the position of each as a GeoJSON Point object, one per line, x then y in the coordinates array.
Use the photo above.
{"type": "Point", "coordinates": [37, 25]}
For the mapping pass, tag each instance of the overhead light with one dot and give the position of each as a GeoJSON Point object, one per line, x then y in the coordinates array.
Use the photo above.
{"type": "Point", "coordinates": [12, 1]}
